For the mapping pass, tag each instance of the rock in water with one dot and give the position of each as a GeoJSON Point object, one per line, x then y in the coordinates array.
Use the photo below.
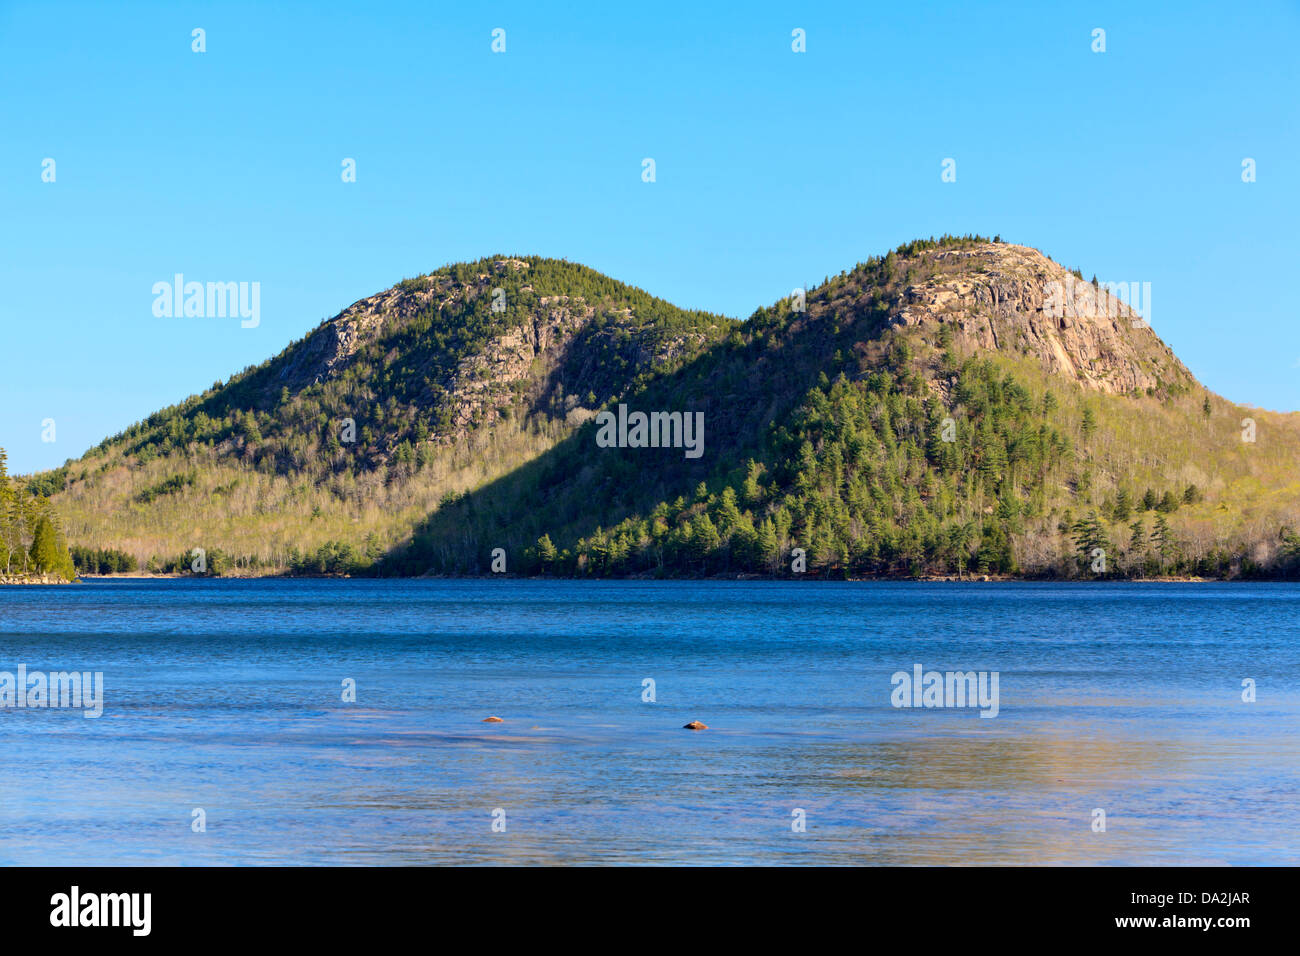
{"type": "Point", "coordinates": [695, 725]}
{"type": "Point", "coordinates": [492, 720]}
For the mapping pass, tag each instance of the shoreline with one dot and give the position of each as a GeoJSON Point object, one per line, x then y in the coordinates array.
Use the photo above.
{"type": "Point", "coordinates": [33, 580]}
{"type": "Point", "coordinates": [895, 579]}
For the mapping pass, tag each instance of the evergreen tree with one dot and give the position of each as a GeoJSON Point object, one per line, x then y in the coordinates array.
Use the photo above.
{"type": "Point", "coordinates": [1089, 423]}
{"type": "Point", "coordinates": [752, 491]}
{"type": "Point", "coordinates": [767, 548]}
{"type": "Point", "coordinates": [10, 538]}
{"type": "Point", "coordinates": [1123, 509]}
{"type": "Point", "coordinates": [49, 554]}
{"type": "Point", "coordinates": [546, 552]}
{"type": "Point", "coordinates": [1089, 538]}
{"type": "Point", "coordinates": [1163, 542]}
{"type": "Point", "coordinates": [728, 512]}
{"type": "Point", "coordinates": [1137, 544]}
{"type": "Point", "coordinates": [704, 538]}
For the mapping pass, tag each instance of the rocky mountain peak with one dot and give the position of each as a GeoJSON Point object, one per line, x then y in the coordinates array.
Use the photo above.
{"type": "Point", "coordinates": [1011, 298]}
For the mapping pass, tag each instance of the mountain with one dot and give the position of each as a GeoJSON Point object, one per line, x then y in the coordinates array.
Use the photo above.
{"type": "Point", "coordinates": [956, 406]}
{"type": "Point", "coordinates": [355, 433]}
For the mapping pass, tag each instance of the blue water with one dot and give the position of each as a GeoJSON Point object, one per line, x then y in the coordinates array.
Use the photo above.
{"type": "Point", "coordinates": [226, 696]}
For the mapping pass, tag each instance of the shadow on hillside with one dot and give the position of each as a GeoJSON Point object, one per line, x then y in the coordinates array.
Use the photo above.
{"type": "Point", "coordinates": [577, 487]}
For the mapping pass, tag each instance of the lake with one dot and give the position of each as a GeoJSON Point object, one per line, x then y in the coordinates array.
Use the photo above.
{"type": "Point", "coordinates": [223, 703]}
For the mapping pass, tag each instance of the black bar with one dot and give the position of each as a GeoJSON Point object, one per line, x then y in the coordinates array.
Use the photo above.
{"type": "Point", "coordinates": [978, 905]}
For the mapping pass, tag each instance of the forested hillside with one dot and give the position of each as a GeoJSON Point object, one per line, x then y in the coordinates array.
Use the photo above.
{"type": "Point", "coordinates": [827, 431]}
{"type": "Point", "coordinates": [930, 412]}
{"type": "Point", "coordinates": [325, 456]}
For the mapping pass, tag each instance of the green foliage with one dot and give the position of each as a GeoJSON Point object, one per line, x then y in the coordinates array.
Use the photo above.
{"type": "Point", "coordinates": [103, 561]}
{"type": "Point", "coordinates": [1123, 508]}
{"type": "Point", "coordinates": [1088, 425]}
{"type": "Point", "coordinates": [31, 540]}
{"type": "Point", "coordinates": [1163, 543]}
{"type": "Point", "coordinates": [1091, 542]}
{"type": "Point", "coordinates": [332, 558]}
{"type": "Point", "coordinates": [49, 552]}
{"type": "Point", "coordinates": [397, 403]}
{"type": "Point", "coordinates": [874, 447]}
{"type": "Point", "coordinates": [168, 486]}
{"type": "Point", "coordinates": [857, 475]}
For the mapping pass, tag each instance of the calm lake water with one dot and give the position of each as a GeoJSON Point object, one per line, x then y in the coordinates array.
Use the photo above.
{"type": "Point", "coordinates": [227, 696]}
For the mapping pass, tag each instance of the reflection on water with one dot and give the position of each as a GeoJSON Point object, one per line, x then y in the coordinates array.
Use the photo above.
{"type": "Point", "coordinates": [226, 696]}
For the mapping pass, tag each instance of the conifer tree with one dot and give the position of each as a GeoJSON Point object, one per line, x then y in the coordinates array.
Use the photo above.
{"type": "Point", "coordinates": [1162, 541]}
{"type": "Point", "coordinates": [48, 552]}
{"type": "Point", "coordinates": [546, 552]}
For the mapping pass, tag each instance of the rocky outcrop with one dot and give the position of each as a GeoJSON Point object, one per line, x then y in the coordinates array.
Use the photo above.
{"type": "Point", "coordinates": [554, 358]}
{"type": "Point", "coordinates": [1009, 298]}
{"type": "Point", "coordinates": [484, 383]}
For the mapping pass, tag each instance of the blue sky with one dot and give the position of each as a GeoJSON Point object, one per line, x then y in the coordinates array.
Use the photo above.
{"type": "Point", "coordinates": [773, 169]}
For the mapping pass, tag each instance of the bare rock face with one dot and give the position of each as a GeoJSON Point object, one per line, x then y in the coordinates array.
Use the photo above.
{"type": "Point", "coordinates": [558, 352]}
{"type": "Point", "coordinates": [1009, 298]}
{"type": "Point", "coordinates": [485, 382]}
{"type": "Point", "coordinates": [326, 351]}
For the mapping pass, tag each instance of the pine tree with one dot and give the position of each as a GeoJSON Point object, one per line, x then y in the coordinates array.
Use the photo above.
{"type": "Point", "coordinates": [1163, 542]}
{"type": "Point", "coordinates": [1090, 537]}
{"type": "Point", "coordinates": [546, 552]}
{"type": "Point", "coordinates": [48, 553]}
{"type": "Point", "coordinates": [9, 537]}
{"type": "Point", "coordinates": [1089, 423]}
{"type": "Point", "coordinates": [752, 491]}
{"type": "Point", "coordinates": [767, 547]}
{"type": "Point", "coordinates": [728, 512]}
{"type": "Point", "coordinates": [704, 537]}
{"type": "Point", "coordinates": [1290, 549]}
{"type": "Point", "coordinates": [1123, 506]}
{"type": "Point", "coordinates": [1137, 544]}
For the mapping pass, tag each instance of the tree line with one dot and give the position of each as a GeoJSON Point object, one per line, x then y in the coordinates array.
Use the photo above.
{"type": "Point", "coordinates": [31, 538]}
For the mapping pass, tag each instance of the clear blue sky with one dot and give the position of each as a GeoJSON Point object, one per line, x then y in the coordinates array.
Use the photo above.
{"type": "Point", "coordinates": [774, 169]}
